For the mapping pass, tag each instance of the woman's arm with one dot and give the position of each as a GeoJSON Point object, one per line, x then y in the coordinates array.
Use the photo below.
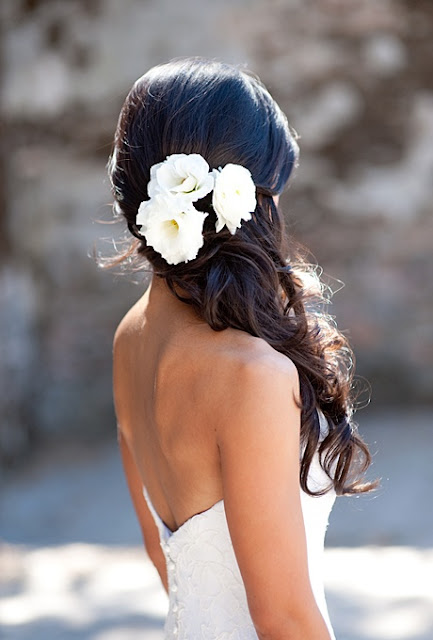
{"type": "Point", "coordinates": [147, 524]}
{"type": "Point", "coordinates": [258, 438]}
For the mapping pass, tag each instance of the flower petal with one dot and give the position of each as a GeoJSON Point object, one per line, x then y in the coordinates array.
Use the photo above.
{"type": "Point", "coordinates": [181, 174]}
{"type": "Point", "coordinates": [234, 196]}
{"type": "Point", "coordinates": [172, 227]}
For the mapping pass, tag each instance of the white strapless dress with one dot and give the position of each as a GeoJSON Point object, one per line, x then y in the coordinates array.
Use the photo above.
{"type": "Point", "coordinates": [207, 599]}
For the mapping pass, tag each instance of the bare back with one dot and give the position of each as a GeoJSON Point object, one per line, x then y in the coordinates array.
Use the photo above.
{"type": "Point", "coordinates": [206, 416]}
{"type": "Point", "coordinates": [168, 368]}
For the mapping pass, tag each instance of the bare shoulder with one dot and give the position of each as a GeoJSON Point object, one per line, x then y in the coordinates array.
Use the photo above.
{"type": "Point", "coordinates": [253, 358]}
{"type": "Point", "coordinates": [244, 369]}
{"type": "Point", "coordinates": [246, 352]}
{"type": "Point", "coordinates": [129, 325]}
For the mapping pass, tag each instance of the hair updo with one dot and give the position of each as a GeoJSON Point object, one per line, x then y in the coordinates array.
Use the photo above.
{"type": "Point", "coordinates": [254, 280]}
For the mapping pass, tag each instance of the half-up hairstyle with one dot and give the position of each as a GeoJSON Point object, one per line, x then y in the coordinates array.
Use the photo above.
{"type": "Point", "coordinates": [254, 280]}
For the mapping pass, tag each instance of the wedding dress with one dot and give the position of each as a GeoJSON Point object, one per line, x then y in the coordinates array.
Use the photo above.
{"type": "Point", "coordinates": [207, 599]}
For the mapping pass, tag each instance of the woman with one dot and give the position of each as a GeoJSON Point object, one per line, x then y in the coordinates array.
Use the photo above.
{"type": "Point", "coordinates": [232, 391]}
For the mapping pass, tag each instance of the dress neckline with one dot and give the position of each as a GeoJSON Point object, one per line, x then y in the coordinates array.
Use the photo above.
{"type": "Point", "coordinates": [172, 532]}
{"type": "Point", "coordinates": [324, 426]}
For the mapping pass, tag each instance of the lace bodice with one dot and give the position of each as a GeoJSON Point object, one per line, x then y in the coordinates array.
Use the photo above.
{"type": "Point", "coordinates": [207, 599]}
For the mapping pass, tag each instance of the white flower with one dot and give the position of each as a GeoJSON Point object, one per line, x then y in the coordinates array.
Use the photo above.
{"type": "Point", "coordinates": [181, 175]}
{"type": "Point", "coordinates": [234, 196]}
{"type": "Point", "coordinates": [172, 226]}
{"type": "Point", "coordinates": [169, 221]}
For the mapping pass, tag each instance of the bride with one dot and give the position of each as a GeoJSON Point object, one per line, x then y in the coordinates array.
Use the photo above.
{"type": "Point", "coordinates": [232, 386]}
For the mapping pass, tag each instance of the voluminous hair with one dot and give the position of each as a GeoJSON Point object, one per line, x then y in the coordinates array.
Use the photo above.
{"type": "Point", "coordinates": [256, 280]}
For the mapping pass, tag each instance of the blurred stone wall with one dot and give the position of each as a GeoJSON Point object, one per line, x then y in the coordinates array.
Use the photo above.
{"type": "Point", "coordinates": [355, 80]}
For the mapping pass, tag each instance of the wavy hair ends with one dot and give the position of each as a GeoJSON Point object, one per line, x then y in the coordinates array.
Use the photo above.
{"type": "Point", "coordinates": [255, 280]}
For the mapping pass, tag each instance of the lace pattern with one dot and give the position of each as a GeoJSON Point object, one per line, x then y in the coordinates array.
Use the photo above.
{"type": "Point", "coordinates": [207, 599]}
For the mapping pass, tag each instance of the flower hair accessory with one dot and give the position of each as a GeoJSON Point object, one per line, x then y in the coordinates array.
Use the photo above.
{"type": "Point", "coordinates": [169, 221]}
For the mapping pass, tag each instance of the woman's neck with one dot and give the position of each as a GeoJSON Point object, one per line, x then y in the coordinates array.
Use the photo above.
{"type": "Point", "coordinates": [162, 305]}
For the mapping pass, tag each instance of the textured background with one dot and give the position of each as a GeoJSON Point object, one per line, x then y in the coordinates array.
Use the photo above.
{"type": "Point", "coordinates": [354, 77]}
{"type": "Point", "coordinates": [355, 81]}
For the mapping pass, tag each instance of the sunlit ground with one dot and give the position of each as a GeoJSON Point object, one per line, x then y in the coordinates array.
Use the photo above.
{"type": "Point", "coordinates": [72, 566]}
{"type": "Point", "coordinates": [388, 594]}
{"type": "Point", "coordinates": [105, 593]}
{"type": "Point", "coordinates": [80, 591]}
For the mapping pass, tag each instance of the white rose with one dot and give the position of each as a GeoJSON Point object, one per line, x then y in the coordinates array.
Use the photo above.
{"type": "Point", "coordinates": [234, 196]}
{"type": "Point", "coordinates": [172, 227]}
{"type": "Point", "coordinates": [181, 174]}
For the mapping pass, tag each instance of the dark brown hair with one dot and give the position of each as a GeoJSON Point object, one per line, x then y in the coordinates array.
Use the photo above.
{"type": "Point", "coordinates": [254, 280]}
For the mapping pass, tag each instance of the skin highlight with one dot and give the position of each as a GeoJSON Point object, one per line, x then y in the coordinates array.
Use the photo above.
{"type": "Point", "coordinates": [238, 442]}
